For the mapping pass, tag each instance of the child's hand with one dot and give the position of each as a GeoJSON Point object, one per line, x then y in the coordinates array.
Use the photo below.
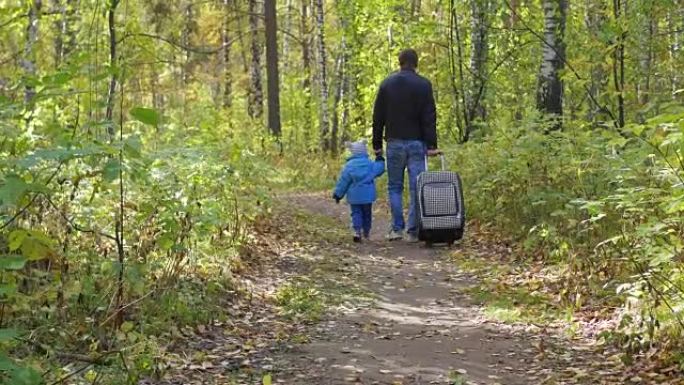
{"type": "Point", "coordinates": [379, 158]}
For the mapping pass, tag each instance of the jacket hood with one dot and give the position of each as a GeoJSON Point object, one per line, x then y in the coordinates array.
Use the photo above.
{"type": "Point", "coordinates": [358, 156]}
{"type": "Point", "coordinates": [359, 166]}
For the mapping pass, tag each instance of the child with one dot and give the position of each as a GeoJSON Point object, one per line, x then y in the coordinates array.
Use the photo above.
{"type": "Point", "coordinates": [357, 181]}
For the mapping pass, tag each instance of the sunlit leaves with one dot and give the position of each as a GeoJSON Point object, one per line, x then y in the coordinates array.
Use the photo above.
{"type": "Point", "coordinates": [12, 262]}
{"type": "Point", "coordinates": [12, 189]}
{"type": "Point", "coordinates": [145, 115]}
{"type": "Point", "coordinates": [33, 244]}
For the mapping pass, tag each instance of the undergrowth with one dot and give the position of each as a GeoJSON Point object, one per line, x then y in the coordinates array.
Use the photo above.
{"type": "Point", "coordinates": [599, 212]}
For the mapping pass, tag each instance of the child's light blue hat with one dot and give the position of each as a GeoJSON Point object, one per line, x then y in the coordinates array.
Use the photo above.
{"type": "Point", "coordinates": [357, 148]}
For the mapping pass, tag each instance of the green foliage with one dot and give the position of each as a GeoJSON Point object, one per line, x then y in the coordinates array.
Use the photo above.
{"type": "Point", "coordinates": [113, 229]}
{"type": "Point", "coordinates": [301, 300]}
{"type": "Point", "coordinates": [604, 207]}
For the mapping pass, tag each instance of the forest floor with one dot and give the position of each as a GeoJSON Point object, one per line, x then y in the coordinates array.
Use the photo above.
{"type": "Point", "coordinates": [384, 313]}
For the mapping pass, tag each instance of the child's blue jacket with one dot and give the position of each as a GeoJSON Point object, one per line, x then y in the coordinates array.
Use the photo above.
{"type": "Point", "coordinates": [357, 180]}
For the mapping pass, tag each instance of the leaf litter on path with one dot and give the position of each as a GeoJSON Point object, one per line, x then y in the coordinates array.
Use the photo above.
{"type": "Point", "coordinates": [414, 325]}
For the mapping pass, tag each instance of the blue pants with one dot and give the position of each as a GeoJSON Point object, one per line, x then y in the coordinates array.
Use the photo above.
{"type": "Point", "coordinates": [402, 155]}
{"type": "Point", "coordinates": [362, 218]}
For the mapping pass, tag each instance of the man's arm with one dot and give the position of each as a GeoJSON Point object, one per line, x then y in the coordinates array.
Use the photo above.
{"type": "Point", "coordinates": [379, 119]}
{"type": "Point", "coordinates": [429, 120]}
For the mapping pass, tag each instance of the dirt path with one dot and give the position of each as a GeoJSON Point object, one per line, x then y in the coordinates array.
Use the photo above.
{"type": "Point", "coordinates": [419, 329]}
{"type": "Point", "coordinates": [324, 311]}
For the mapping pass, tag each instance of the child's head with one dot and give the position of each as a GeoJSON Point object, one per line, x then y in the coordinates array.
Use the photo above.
{"type": "Point", "coordinates": [357, 148]}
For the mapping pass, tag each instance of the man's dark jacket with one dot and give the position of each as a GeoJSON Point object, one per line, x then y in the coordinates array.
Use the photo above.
{"type": "Point", "coordinates": [405, 109]}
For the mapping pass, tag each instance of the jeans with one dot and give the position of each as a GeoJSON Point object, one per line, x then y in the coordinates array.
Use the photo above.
{"type": "Point", "coordinates": [362, 218]}
{"type": "Point", "coordinates": [402, 155]}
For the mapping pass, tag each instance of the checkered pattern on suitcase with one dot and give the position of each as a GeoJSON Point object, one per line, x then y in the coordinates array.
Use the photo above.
{"type": "Point", "coordinates": [439, 199]}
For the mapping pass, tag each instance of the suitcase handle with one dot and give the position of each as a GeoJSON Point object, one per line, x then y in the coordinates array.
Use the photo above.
{"type": "Point", "coordinates": [441, 158]}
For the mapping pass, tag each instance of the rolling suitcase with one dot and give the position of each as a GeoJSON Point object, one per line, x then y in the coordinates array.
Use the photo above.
{"type": "Point", "coordinates": [441, 211]}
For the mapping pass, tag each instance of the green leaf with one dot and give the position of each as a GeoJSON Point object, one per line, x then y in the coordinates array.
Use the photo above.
{"type": "Point", "coordinates": [127, 326]}
{"type": "Point", "coordinates": [111, 170]}
{"type": "Point", "coordinates": [267, 380]}
{"type": "Point", "coordinates": [11, 262]}
{"type": "Point", "coordinates": [133, 146]}
{"type": "Point", "coordinates": [25, 376]}
{"type": "Point", "coordinates": [16, 238]}
{"type": "Point", "coordinates": [12, 190]}
{"type": "Point", "coordinates": [8, 334]}
{"type": "Point", "coordinates": [6, 364]}
{"type": "Point", "coordinates": [145, 115]}
{"type": "Point", "coordinates": [34, 249]}
{"type": "Point", "coordinates": [8, 289]}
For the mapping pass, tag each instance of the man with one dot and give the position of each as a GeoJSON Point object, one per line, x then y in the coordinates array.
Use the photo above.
{"type": "Point", "coordinates": [405, 112]}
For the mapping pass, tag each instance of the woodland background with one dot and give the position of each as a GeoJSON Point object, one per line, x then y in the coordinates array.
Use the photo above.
{"type": "Point", "coordinates": [141, 142]}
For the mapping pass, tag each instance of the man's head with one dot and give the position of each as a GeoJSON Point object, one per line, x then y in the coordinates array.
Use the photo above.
{"type": "Point", "coordinates": [408, 59]}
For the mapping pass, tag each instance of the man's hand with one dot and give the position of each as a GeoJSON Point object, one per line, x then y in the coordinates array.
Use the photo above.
{"type": "Point", "coordinates": [378, 152]}
{"type": "Point", "coordinates": [434, 152]}
{"type": "Point", "coordinates": [336, 198]}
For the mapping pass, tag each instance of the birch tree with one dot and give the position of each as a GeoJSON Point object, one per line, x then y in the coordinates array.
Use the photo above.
{"type": "Point", "coordinates": [255, 106]}
{"type": "Point", "coordinates": [647, 26]}
{"type": "Point", "coordinates": [550, 87]}
{"type": "Point", "coordinates": [479, 52]}
{"type": "Point", "coordinates": [224, 58]}
{"type": "Point", "coordinates": [272, 67]}
{"type": "Point", "coordinates": [322, 76]}
{"type": "Point", "coordinates": [28, 62]}
{"type": "Point", "coordinates": [619, 59]}
{"type": "Point", "coordinates": [595, 20]}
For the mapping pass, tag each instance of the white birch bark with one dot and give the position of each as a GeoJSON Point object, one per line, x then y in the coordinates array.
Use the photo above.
{"type": "Point", "coordinates": [28, 62]}
{"type": "Point", "coordinates": [322, 76]}
{"type": "Point", "coordinates": [255, 106]}
{"type": "Point", "coordinates": [550, 90]}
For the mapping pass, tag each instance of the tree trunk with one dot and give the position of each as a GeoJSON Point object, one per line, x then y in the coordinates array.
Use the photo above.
{"type": "Point", "coordinates": [415, 8]}
{"type": "Point", "coordinates": [289, 15]}
{"type": "Point", "coordinates": [619, 62]}
{"type": "Point", "coordinates": [340, 65]}
{"type": "Point", "coordinates": [306, 44]}
{"type": "Point", "coordinates": [186, 34]}
{"type": "Point", "coordinates": [645, 53]}
{"type": "Point", "coordinates": [255, 107]}
{"type": "Point", "coordinates": [60, 30]}
{"type": "Point", "coordinates": [305, 40]}
{"type": "Point", "coordinates": [674, 31]}
{"type": "Point", "coordinates": [270, 17]}
{"type": "Point", "coordinates": [322, 76]}
{"type": "Point", "coordinates": [456, 69]}
{"type": "Point", "coordinates": [28, 62]}
{"type": "Point", "coordinates": [224, 58]}
{"type": "Point", "coordinates": [112, 63]}
{"type": "Point", "coordinates": [157, 95]}
{"type": "Point", "coordinates": [188, 28]}
{"type": "Point", "coordinates": [479, 51]}
{"type": "Point", "coordinates": [346, 101]}
{"type": "Point", "coordinates": [512, 19]}
{"type": "Point", "coordinates": [550, 89]}
{"type": "Point", "coordinates": [65, 33]}
{"type": "Point", "coordinates": [595, 20]}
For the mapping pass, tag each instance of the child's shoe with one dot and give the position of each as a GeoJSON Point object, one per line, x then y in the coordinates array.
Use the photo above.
{"type": "Point", "coordinates": [357, 237]}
